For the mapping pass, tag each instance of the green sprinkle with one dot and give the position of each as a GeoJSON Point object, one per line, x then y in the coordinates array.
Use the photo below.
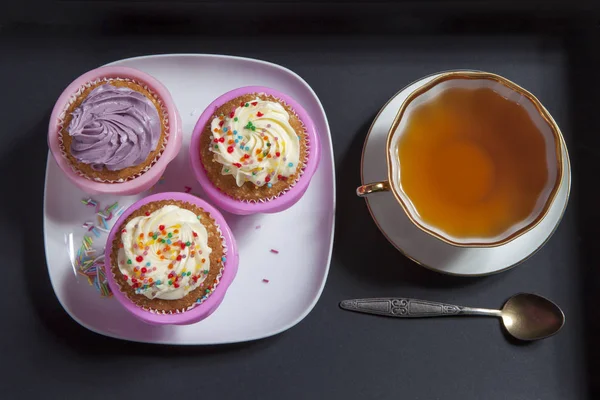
{"type": "Point", "coordinates": [246, 105]}
{"type": "Point", "coordinates": [226, 169]}
{"type": "Point", "coordinates": [268, 144]}
{"type": "Point", "coordinates": [207, 291]}
{"type": "Point", "coordinates": [235, 119]}
{"type": "Point", "coordinates": [170, 282]}
{"type": "Point", "coordinates": [205, 271]}
{"type": "Point", "coordinates": [188, 243]}
{"type": "Point", "coordinates": [128, 261]}
{"type": "Point", "coordinates": [216, 146]}
{"type": "Point", "coordinates": [155, 237]}
{"type": "Point", "coordinates": [189, 273]}
{"type": "Point", "coordinates": [170, 234]}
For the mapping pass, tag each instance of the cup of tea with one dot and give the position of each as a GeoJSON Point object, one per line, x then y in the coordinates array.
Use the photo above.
{"type": "Point", "coordinates": [473, 159]}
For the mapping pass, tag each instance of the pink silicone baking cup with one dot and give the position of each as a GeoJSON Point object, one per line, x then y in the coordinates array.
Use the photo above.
{"type": "Point", "coordinates": [283, 201]}
{"type": "Point", "coordinates": [200, 311]}
{"type": "Point", "coordinates": [147, 179]}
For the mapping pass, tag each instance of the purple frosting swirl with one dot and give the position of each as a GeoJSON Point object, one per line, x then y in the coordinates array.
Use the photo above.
{"type": "Point", "coordinates": [114, 127]}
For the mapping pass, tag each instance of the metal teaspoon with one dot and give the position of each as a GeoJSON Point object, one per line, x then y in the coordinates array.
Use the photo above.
{"type": "Point", "coordinates": [525, 316]}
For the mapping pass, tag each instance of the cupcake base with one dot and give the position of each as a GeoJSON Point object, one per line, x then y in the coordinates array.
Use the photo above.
{"type": "Point", "coordinates": [196, 296]}
{"type": "Point", "coordinates": [248, 191]}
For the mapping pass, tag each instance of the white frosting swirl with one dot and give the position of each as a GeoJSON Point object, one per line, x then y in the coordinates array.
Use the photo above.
{"type": "Point", "coordinates": [165, 254]}
{"type": "Point", "coordinates": [256, 143]}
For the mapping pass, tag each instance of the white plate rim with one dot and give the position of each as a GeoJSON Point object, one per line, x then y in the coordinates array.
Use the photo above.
{"type": "Point", "coordinates": [333, 207]}
{"type": "Point", "coordinates": [431, 268]}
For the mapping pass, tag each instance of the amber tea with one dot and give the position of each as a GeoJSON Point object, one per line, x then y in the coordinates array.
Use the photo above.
{"type": "Point", "coordinates": [472, 163]}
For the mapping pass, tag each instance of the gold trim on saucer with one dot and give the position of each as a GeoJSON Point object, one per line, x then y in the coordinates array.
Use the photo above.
{"type": "Point", "coordinates": [403, 252]}
{"type": "Point", "coordinates": [446, 76]}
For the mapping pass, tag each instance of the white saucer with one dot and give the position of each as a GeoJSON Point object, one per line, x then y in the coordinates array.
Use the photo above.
{"type": "Point", "coordinates": [426, 250]}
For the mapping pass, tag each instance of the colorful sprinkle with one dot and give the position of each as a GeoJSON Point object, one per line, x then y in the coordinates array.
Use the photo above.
{"type": "Point", "coordinates": [274, 251]}
{"type": "Point", "coordinates": [265, 280]}
{"type": "Point", "coordinates": [92, 268]}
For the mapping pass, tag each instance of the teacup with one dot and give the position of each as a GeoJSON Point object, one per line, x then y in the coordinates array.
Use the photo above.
{"type": "Point", "coordinates": [506, 171]}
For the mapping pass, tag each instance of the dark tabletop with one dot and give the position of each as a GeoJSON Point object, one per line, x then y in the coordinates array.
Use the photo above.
{"type": "Point", "coordinates": [354, 70]}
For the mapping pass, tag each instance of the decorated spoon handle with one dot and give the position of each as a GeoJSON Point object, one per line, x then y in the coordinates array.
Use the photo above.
{"type": "Point", "coordinates": [411, 308]}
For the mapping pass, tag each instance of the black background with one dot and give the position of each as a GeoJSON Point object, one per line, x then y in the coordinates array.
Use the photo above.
{"type": "Point", "coordinates": [355, 56]}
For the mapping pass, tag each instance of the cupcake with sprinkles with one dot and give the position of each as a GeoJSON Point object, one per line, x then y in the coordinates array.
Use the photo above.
{"type": "Point", "coordinates": [168, 255]}
{"type": "Point", "coordinates": [253, 145]}
{"type": "Point", "coordinates": [112, 125]}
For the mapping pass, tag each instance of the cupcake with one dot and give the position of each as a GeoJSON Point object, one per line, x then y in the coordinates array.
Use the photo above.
{"type": "Point", "coordinates": [254, 146]}
{"type": "Point", "coordinates": [111, 127]}
{"type": "Point", "coordinates": [168, 255]}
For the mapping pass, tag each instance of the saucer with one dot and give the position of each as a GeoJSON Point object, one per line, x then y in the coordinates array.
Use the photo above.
{"type": "Point", "coordinates": [426, 250]}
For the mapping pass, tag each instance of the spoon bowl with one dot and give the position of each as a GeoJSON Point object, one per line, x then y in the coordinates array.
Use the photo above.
{"type": "Point", "coordinates": [531, 317]}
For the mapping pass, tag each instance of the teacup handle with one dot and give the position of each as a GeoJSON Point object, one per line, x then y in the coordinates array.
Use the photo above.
{"type": "Point", "coordinates": [369, 188]}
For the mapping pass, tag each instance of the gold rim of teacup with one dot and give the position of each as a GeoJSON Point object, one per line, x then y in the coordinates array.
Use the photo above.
{"type": "Point", "coordinates": [369, 188]}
